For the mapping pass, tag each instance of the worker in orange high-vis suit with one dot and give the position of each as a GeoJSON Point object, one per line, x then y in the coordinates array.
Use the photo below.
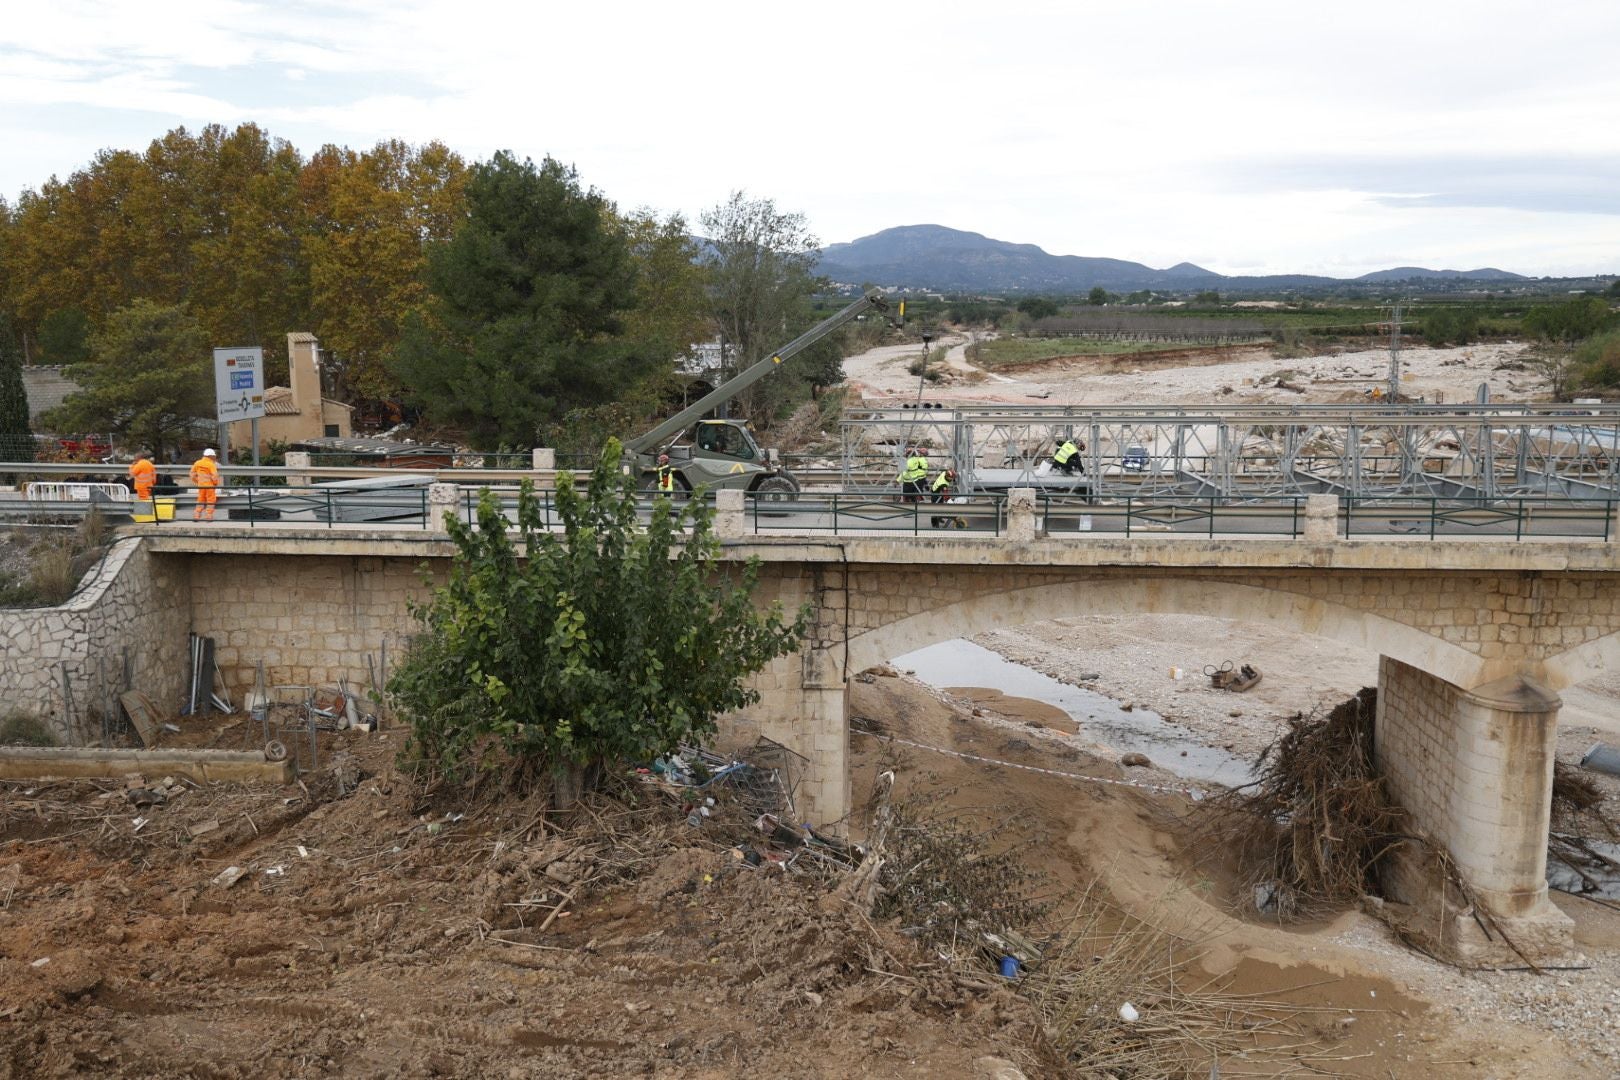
{"type": "Point", "coordinates": [143, 474]}
{"type": "Point", "coordinates": [205, 474]}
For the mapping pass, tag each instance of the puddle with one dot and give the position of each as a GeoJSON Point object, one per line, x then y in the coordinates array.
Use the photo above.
{"type": "Point", "coordinates": [960, 663]}
{"type": "Point", "coordinates": [1597, 878]}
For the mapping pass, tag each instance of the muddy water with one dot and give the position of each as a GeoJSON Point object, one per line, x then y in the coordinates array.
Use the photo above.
{"type": "Point", "coordinates": [1099, 719]}
{"type": "Point", "coordinates": [1597, 877]}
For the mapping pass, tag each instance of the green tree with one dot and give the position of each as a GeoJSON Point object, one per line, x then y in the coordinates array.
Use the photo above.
{"type": "Point", "coordinates": [1570, 321]}
{"type": "Point", "coordinates": [672, 308]}
{"type": "Point", "coordinates": [148, 378]}
{"type": "Point", "coordinates": [1208, 296]}
{"type": "Point", "coordinates": [64, 337]}
{"type": "Point", "coordinates": [1038, 307]}
{"type": "Point", "coordinates": [1613, 289]}
{"type": "Point", "coordinates": [557, 654]}
{"type": "Point", "coordinates": [529, 298]}
{"type": "Point", "coordinates": [1098, 296]}
{"type": "Point", "coordinates": [1597, 362]}
{"type": "Point", "coordinates": [1450, 326]}
{"type": "Point", "coordinates": [761, 263]}
{"type": "Point", "coordinates": [16, 438]}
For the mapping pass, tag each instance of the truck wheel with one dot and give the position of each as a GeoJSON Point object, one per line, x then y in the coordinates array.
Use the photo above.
{"type": "Point", "coordinates": [648, 484]}
{"type": "Point", "coordinates": [776, 489]}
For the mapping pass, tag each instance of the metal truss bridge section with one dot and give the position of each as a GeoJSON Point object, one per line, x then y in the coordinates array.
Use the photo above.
{"type": "Point", "coordinates": [1359, 451]}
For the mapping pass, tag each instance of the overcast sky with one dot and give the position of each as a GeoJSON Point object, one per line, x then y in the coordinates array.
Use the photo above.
{"type": "Point", "coordinates": [1248, 137]}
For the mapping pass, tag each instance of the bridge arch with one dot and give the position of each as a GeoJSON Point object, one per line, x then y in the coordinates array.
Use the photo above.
{"type": "Point", "coordinates": [1586, 661]}
{"type": "Point", "coordinates": [1182, 596]}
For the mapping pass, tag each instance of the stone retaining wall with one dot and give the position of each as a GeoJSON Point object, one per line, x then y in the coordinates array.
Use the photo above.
{"type": "Point", "coordinates": [132, 602]}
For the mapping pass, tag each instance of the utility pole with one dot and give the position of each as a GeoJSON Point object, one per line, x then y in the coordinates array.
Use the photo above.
{"type": "Point", "coordinates": [1395, 354]}
{"type": "Point", "coordinates": [922, 380]}
{"type": "Point", "coordinates": [922, 375]}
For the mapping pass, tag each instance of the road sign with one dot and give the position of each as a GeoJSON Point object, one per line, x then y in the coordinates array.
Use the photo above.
{"type": "Point", "coordinates": [239, 384]}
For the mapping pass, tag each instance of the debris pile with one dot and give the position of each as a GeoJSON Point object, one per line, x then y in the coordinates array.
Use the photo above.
{"type": "Point", "coordinates": [1583, 843]}
{"type": "Point", "coordinates": [1309, 833]}
{"type": "Point", "coordinates": [1121, 995]}
{"type": "Point", "coordinates": [613, 938]}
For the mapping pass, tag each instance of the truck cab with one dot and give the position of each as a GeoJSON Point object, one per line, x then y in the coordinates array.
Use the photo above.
{"type": "Point", "coordinates": [726, 440]}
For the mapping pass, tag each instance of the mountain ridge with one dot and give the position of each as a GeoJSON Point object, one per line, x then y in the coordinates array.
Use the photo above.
{"type": "Point", "coordinates": [939, 257]}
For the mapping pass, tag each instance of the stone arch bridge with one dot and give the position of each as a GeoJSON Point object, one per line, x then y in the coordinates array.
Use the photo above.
{"type": "Point", "coordinates": [1476, 638]}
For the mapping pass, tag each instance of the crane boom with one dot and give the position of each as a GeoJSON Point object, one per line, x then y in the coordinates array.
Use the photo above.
{"type": "Point", "coordinates": [744, 379]}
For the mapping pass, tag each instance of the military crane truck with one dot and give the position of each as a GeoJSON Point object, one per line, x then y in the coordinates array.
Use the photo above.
{"type": "Point", "coordinates": [723, 453]}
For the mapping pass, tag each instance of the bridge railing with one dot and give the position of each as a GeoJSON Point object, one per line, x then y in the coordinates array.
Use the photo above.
{"type": "Point", "coordinates": [858, 513]}
{"type": "Point", "coordinates": [411, 506]}
{"type": "Point", "coordinates": [1434, 518]}
{"type": "Point", "coordinates": [1213, 515]}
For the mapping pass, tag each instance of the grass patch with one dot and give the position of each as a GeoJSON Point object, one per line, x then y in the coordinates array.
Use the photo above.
{"type": "Point", "coordinates": [21, 729]}
{"type": "Point", "coordinates": [44, 571]}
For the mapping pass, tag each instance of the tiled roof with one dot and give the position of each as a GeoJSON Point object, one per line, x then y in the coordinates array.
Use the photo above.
{"type": "Point", "coordinates": [278, 401]}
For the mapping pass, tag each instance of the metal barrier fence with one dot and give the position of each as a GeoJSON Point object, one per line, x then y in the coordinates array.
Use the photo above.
{"type": "Point", "coordinates": [857, 513]}
{"type": "Point", "coordinates": [1501, 518]}
{"type": "Point", "coordinates": [886, 514]}
{"type": "Point", "coordinates": [1188, 516]}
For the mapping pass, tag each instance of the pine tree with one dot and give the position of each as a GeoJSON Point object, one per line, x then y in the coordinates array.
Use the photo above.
{"type": "Point", "coordinates": [16, 439]}
{"type": "Point", "coordinates": [529, 299]}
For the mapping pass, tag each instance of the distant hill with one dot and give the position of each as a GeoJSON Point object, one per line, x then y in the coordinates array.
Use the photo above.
{"type": "Point", "coordinates": [1418, 273]}
{"type": "Point", "coordinates": [936, 257]}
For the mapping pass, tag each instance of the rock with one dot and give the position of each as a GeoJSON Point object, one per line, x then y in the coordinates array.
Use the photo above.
{"type": "Point", "coordinates": [229, 876]}
{"type": "Point", "coordinates": [1136, 760]}
{"type": "Point", "coordinates": [995, 1068]}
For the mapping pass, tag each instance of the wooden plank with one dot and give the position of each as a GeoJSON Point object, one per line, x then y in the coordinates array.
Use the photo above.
{"type": "Point", "coordinates": [30, 762]}
{"type": "Point", "coordinates": [143, 713]}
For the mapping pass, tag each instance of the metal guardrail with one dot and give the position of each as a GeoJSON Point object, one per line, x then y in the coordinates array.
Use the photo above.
{"type": "Point", "coordinates": [1435, 519]}
{"type": "Point", "coordinates": [876, 513]}
{"type": "Point", "coordinates": [848, 513]}
{"type": "Point", "coordinates": [1187, 516]}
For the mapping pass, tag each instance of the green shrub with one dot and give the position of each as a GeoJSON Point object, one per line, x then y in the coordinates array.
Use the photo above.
{"type": "Point", "coordinates": [561, 654]}
{"type": "Point", "coordinates": [21, 729]}
{"type": "Point", "coordinates": [1450, 326]}
{"type": "Point", "coordinates": [1597, 362]}
{"type": "Point", "coordinates": [1569, 321]}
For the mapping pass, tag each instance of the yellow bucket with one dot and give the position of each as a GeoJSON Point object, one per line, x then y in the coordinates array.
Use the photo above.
{"type": "Point", "coordinates": [149, 510]}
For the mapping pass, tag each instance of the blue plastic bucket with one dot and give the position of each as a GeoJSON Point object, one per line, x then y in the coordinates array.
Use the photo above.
{"type": "Point", "coordinates": [1009, 967]}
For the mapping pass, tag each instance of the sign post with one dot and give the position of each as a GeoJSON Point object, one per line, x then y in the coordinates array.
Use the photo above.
{"type": "Point", "coordinates": [239, 393]}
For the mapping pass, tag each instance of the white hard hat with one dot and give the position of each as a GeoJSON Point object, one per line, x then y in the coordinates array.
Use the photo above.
{"type": "Point", "coordinates": [210, 452]}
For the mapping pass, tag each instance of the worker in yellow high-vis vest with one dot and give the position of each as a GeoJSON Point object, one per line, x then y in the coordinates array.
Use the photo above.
{"type": "Point", "coordinates": [913, 475]}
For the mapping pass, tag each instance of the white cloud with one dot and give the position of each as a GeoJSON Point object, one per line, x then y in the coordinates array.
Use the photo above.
{"type": "Point", "coordinates": [1150, 132]}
